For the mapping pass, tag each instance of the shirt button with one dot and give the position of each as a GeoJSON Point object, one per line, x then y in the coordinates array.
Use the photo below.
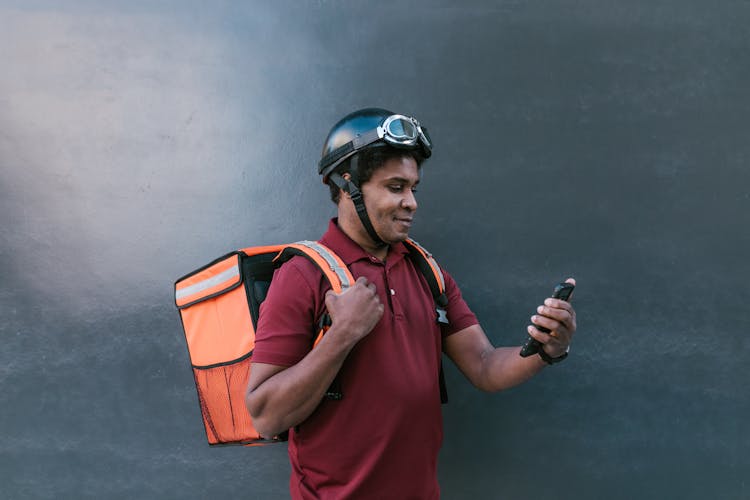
{"type": "Point", "coordinates": [393, 292]}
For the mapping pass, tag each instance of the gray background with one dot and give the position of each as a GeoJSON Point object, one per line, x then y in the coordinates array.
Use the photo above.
{"type": "Point", "coordinates": [601, 139]}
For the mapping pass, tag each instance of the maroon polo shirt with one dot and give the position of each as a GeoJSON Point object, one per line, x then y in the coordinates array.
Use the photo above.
{"type": "Point", "coordinates": [382, 439]}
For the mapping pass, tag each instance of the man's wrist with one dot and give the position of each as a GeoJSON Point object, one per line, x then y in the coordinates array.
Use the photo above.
{"type": "Point", "coordinates": [551, 360]}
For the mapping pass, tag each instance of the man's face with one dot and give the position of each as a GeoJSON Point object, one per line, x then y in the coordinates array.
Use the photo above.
{"type": "Point", "coordinates": [389, 198]}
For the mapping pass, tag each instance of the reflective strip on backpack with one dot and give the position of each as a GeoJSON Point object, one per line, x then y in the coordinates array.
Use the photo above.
{"type": "Point", "coordinates": [230, 273]}
{"type": "Point", "coordinates": [219, 276]}
{"type": "Point", "coordinates": [335, 264]}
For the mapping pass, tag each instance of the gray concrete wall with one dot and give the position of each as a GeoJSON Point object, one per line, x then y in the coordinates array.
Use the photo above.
{"type": "Point", "coordinates": [601, 139]}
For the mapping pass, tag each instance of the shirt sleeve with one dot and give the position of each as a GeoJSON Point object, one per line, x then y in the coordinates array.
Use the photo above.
{"type": "Point", "coordinates": [287, 318]}
{"type": "Point", "coordinates": [459, 314]}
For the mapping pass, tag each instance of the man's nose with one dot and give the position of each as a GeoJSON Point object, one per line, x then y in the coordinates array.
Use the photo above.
{"type": "Point", "coordinates": [409, 201]}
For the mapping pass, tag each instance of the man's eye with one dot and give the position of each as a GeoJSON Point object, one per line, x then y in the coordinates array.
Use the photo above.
{"type": "Point", "coordinates": [396, 188]}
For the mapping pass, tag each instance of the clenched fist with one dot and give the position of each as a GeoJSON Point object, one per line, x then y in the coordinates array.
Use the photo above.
{"type": "Point", "coordinates": [355, 311]}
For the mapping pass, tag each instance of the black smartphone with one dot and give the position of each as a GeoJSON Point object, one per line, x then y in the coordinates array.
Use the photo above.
{"type": "Point", "coordinates": [562, 291]}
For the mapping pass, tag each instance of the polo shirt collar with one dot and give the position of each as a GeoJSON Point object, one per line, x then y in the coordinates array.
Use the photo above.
{"type": "Point", "coordinates": [350, 251]}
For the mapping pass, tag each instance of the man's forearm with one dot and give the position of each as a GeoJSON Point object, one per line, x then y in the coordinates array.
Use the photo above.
{"type": "Point", "coordinates": [288, 397]}
{"type": "Point", "coordinates": [503, 368]}
{"type": "Point", "coordinates": [489, 368]}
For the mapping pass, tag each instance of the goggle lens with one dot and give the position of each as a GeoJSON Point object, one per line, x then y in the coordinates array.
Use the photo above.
{"type": "Point", "coordinates": [402, 129]}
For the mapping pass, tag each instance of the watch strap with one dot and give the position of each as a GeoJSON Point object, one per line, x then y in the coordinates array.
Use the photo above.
{"type": "Point", "coordinates": [549, 359]}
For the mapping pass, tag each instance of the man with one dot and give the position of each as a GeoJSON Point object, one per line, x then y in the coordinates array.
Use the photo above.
{"type": "Point", "coordinates": [383, 348]}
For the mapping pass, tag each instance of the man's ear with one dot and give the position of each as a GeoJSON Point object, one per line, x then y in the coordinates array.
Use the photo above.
{"type": "Point", "coordinates": [347, 177]}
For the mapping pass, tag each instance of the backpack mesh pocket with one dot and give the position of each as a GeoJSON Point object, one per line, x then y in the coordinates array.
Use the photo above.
{"type": "Point", "coordinates": [221, 394]}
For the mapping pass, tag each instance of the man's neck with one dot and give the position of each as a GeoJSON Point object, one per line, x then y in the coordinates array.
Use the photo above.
{"type": "Point", "coordinates": [358, 234]}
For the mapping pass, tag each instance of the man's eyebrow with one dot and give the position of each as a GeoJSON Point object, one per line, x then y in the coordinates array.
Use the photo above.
{"type": "Point", "coordinates": [400, 179]}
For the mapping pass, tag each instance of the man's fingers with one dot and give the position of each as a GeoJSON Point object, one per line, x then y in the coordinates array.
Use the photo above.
{"type": "Point", "coordinates": [559, 328]}
{"type": "Point", "coordinates": [362, 281]}
{"type": "Point", "coordinates": [557, 303]}
{"type": "Point", "coordinates": [548, 323]}
{"type": "Point", "coordinates": [553, 338]}
{"type": "Point", "coordinates": [555, 313]}
{"type": "Point", "coordinates": [538, 335]}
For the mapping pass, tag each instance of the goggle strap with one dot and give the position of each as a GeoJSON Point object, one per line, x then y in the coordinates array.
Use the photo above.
{"type": "Point", "coordinates": [368, 138]}
{"type": "Point", "coordinates": [352, 146]}
{"type": "Point", "coordinates": [335, 155]}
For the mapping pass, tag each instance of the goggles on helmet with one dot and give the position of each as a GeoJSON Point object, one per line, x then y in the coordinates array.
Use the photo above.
{"type": "Point", "coordinates": [397, 130]}
{"type": "Point", "coordinates": [400, 130]}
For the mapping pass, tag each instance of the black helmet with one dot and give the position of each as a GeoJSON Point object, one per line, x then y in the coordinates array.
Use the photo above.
{"type": "Point", "coordinates": [371, 127]}
{"type": "Point", "coordinates": [368, 128]}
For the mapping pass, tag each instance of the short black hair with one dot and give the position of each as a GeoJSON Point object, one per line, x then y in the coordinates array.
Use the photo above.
{"type": "Point", "coordinates": [371, 159]}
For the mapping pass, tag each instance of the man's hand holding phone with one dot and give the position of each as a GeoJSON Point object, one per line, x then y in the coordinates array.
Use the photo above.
{"type": "Point", "coordinates": [552, 326]}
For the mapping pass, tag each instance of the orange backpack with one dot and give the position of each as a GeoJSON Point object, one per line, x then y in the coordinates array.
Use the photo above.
{"type": "Point", "coordinates": [219, 306]}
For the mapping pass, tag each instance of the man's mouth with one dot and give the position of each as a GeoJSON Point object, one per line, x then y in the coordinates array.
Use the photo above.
{"type": "Point", "coordinates": [406, 221]}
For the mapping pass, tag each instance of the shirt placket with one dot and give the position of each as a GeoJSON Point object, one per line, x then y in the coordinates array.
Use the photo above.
{"type": "Point", "coordinates": [393, 300]}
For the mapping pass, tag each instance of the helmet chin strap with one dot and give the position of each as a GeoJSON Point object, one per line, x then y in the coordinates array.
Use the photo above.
{"type": "Point", "coordinates": [350, 187]}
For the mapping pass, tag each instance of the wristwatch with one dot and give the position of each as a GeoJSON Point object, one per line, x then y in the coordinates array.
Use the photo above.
{"type": "Point", "coordinates": [549, 359]}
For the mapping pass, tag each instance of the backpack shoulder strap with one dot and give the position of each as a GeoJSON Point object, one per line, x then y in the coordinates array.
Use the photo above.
{"type": "Point", "coordinates": [434, 276]}
{"type": "Point", "coordinates": [337, 274]}
{"type": "Point", "coordinates": [324, 258]}
{"type": "Point", "coordinates": [330, 264]}
{"type": "Point", "coordinates": [435, 279]}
